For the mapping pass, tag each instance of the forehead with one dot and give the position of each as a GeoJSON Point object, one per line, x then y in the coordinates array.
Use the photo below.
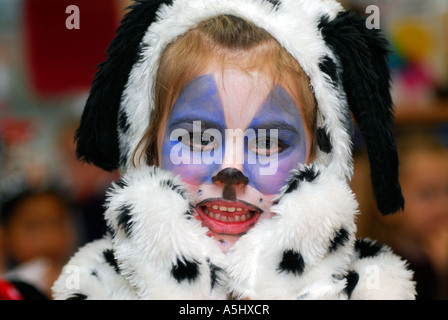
{"type": "Point", "coordinates": [233, 95]}
{"type": "Point", "coordinates": [242, 94]}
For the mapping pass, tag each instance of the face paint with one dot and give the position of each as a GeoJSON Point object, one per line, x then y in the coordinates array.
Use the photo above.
{"type": "Point", "coordinates": [280, 113]}
{"type": "Point", "coordinates": [198, 101]}
{"type": "Point", "coordinates": [198, 143]}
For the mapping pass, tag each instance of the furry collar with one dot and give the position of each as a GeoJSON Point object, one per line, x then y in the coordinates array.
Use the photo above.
{"type": "Point", "coordinates": [156, 249]}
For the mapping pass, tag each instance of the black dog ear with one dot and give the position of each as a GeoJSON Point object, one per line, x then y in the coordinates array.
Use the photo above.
{"type": "Point", "coordinates": [363, 54]}
{"type": "Point", "coordinates": [97, 135]}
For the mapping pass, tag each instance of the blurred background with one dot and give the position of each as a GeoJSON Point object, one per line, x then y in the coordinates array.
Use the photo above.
{"type": "Point", "coordinates": [51, 203]}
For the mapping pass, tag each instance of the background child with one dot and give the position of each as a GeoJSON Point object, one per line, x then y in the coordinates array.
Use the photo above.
{"type": "Point", "coordinates": [38, 237]}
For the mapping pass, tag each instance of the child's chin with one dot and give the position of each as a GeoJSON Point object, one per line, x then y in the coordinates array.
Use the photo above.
{"type": "Point", "coordinates": [224, 241]}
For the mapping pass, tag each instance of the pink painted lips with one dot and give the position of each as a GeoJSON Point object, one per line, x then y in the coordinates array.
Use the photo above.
{"type": "Point", "coordinates": [228, 217]}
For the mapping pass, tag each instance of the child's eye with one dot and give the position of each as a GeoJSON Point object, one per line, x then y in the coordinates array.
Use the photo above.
{"type": "Point", "coordinates": [266, 146]}
{"type": "Point", "coordinates": [196, 142]}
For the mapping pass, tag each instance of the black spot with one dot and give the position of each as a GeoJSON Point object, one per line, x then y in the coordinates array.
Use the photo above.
{"type": "Point", "coordinates": [308, 174]}
{"type": "Point", "coordinates": [173, 186]}
{"type": "Point", "coordinates": [352, 280]}
{"type": "Point", "coordinates": [339, 239]}
{"type": "Point", "coordinates": [110, 232]}
{"type": "Point", "coordinates": [122, 159]}
{"type": "Point", "coordinates": [214, 274]}
{"type": "Point", "coordinates": [109, 256]}
{"type": "Point", "coordinates": [121, 183]}
{"type": "Point", "coordinates": [124, 218]}
{"type": "Point", "coordinates": [292, 262]}
{"type": "Point", "coordinates": [276, 3]}
{"type": "Point", "coordinates": [141, 52]}
{"type": "Point", "coordinates": [328, 66]}
{"type": "Point", "coordinates": [189, 213]}
{"type": "Point", "coordinates": [123, 123]}
{"type": "Point", "coordinates": [77, 296]}
{"type": "Point", "coordinates": [94, 273]}
{"type": "Point", "coordinates": [323, 140]}
{"type": "Point", "coordinates": [185, 270]}
{"type": "Point", "coordinates": [367, 249]}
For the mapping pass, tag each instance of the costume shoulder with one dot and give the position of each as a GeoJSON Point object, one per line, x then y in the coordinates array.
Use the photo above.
{"type": "Point", "coordinates": [377, 273]}
{"type": "Point", "coordinates": [93, 274]}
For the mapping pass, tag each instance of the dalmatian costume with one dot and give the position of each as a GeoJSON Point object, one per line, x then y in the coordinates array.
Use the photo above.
{"type": "Point", "coordinates": [155, 249]}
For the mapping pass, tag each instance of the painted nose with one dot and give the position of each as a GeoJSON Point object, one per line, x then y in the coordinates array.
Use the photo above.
{"type": "Point", "coordinates": [231, 179]}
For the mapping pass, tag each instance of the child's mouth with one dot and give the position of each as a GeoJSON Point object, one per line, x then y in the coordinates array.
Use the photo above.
{"type": "Point", "coordinates": [228, 217]}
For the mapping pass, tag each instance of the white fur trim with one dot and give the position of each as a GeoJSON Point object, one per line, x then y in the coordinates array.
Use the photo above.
{"type": "Point", "coordinates": [383, 277]}
{"type": "Point", "coordinates": [159, 233]}
{"type": "Point", "coordinates": [306, 221]}
{"type": "Point", "coordinates": [87, 274]}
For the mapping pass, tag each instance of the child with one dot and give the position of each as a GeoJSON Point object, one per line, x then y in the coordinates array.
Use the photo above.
{"type": "Point", "coordinates": [37, 239]}
{"type": "Point", "coordinates": [230, 124]}
{"type": "Point", "coordinates": [420, 234]}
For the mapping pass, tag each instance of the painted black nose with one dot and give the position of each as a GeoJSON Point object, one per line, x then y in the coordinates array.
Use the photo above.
{"type": "Point", "coordinates": [231, 178]}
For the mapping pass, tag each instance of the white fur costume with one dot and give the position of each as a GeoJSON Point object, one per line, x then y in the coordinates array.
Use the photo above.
{"type": "Point", "coordinates": [155, 248]}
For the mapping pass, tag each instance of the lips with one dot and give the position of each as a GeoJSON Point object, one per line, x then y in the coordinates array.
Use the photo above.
{"type": "Point", "coordinates": [228, 217]}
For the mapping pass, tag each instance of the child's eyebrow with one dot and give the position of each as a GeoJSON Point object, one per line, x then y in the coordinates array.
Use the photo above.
{"type": "Point", "coordinates": [189, 121]}
{"type": "Point", "coordinates": [279, 125]}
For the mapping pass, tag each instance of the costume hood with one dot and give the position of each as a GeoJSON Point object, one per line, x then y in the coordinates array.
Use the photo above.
{"type": "Point", "coordinates": [345, 61]}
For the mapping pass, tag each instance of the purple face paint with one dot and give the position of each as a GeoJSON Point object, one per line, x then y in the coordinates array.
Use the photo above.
{"type": "Point", "coordinates": [278, 113]}
{"type": "Point", "coordinates": [199, 100]}
{"type": "Point", "coordinates": [194, 140]}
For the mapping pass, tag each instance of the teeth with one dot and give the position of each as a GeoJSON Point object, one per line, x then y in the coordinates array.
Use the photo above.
{"type": "Point", "coordinates": [242, 216]}
{"type": "Point", "coordinates": [225, 218]}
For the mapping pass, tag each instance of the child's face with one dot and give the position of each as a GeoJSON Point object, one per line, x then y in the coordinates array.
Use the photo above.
{"type": "Point", "coordinates": [40, 228]}
{"type": "Point", "coordinates": [425, 188]}
{"type": "Point", "coordinates": [233, 137]}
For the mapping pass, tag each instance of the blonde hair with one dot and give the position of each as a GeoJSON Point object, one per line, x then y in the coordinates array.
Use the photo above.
{"type": "Point", "coordinates": [223, 39]}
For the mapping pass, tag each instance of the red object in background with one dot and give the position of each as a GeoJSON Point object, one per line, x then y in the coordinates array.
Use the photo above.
{"type": "Point", "coordinates": [14, 131]}
{"type": "Point", "coordinates": [62, 60]}
{"type": "Point", "coordinates": [8, 291]}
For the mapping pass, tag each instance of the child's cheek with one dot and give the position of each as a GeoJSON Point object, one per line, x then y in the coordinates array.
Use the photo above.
{"type": "Point", "coordinates": [189, 165]}
{"type": "Point", "coordinates": [271, 176]}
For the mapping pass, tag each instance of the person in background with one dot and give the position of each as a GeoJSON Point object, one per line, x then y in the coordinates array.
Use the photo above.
{"type": "Point", "coordinates": [421, 233]}
{"type": "Point", "coordinates": [38, 236]}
